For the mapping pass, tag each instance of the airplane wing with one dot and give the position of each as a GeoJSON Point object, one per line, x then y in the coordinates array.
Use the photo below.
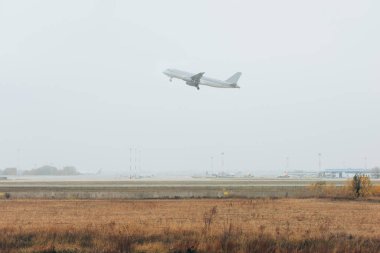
{"type": "Point", "coordinates": [196, 78]}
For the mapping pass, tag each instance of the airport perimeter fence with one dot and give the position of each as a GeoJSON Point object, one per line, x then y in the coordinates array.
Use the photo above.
{"type": "Point", "coordinates": [162, 192]}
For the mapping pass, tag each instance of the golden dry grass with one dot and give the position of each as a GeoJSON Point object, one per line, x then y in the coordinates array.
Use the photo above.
{"type": "Point", "coordinates": [166, 225]}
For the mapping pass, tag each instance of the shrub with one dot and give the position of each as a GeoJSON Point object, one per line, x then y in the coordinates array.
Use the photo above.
{"type": "Point", "coordinates": [361, 186]}
{"type": "Point", "coordinates": [323, 189]}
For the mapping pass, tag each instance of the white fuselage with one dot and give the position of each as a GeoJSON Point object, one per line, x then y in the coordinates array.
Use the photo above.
{"type": "Point", "coordinates": [186, 76]}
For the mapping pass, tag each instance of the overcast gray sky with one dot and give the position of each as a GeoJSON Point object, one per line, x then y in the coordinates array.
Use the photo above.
{"type": "Point", "coordinates": [81, 83]}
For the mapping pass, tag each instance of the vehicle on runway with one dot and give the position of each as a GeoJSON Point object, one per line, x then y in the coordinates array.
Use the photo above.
{"type": "Point", "coordinates": [195, 80]}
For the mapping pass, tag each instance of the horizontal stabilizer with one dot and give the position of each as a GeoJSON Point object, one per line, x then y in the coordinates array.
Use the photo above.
{"type": "Point", "coordinates": [234, 79]}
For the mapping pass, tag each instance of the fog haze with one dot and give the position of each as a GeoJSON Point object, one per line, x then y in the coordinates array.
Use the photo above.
{"type": "Point", "coordinates": [81, 83]}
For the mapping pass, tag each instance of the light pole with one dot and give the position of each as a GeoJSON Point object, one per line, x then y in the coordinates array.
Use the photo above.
{"type": "Point", "coordinates": [140, 160]}
{"type": "Point", "coordinates": [222, 161]}
{"type": "Point", "coordinates": [287, 164]}
{"type": "Point", "coordinates": [135, 162]}
{"type": "Point", "coordinates": [130, 163]}
{"type": "Point", "coordinates": [212, 165]}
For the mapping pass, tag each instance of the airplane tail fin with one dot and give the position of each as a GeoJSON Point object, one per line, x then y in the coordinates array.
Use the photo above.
{"type": "Point", "coordinates": [234, 79]}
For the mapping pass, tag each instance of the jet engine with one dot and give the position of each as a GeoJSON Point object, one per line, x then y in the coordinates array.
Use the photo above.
{"type": "Point", "coordinates": [192, 83]}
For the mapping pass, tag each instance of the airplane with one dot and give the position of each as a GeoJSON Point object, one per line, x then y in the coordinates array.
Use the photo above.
{"type": "Point", "coordinates": [198, 79]}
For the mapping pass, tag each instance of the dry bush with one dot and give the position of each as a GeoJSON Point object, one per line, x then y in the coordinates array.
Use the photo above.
{"type": "Point", "coordinates": [361, 186]}
{"type": "Point", "coordinates": [323, 189]}
{"type": "Point", "coordinates": [317, 188]}
{"type": "Point", "coordinates": [358, 186]}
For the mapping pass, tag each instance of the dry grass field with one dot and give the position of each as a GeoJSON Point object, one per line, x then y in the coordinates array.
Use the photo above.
{"type": "Point", "coordinates": [235, 225]}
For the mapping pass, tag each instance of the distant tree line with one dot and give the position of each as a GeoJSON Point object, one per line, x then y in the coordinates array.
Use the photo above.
{"type": "Point", "coordinates": [9, 172]}
{"type": "Point", "coordinates": [46, 170]}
